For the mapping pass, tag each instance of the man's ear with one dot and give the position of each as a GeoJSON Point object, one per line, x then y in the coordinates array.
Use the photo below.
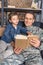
{"type": "Point", "coordinates": [33, 20]}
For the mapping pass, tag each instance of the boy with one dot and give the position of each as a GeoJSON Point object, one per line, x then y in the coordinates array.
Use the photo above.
{"type": "Point", "coordinates": [11, 30]}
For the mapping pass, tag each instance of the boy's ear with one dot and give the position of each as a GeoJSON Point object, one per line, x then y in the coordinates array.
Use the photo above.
{"type": "Point", "coordinates": [10, 21]}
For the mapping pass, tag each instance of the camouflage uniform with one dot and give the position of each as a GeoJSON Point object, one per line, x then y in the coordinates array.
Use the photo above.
{"type": "Point", "coordinates": [32, 54]}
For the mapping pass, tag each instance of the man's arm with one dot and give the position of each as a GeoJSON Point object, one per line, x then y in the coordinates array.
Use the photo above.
{"type": "Point", "coordinates": [41, 45]}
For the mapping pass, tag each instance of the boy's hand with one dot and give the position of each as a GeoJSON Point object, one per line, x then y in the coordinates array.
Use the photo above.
{"type": "Point", "coordinates": [29, 33]}
{"type": "Point", "coordinates": [17, 50]}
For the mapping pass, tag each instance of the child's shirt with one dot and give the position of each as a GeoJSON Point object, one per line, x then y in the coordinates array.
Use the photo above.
{"type": "Point", "coordinates": [10, 32]}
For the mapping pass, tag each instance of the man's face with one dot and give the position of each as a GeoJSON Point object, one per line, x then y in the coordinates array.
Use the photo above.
{"type": "Point", "coordinates": [29, 19]}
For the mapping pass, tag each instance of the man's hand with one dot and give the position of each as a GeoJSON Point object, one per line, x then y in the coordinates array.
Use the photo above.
{"type": "Point", "coordinates": [17, 50]}
{"type": "Point", "coordinates": [35, 42]}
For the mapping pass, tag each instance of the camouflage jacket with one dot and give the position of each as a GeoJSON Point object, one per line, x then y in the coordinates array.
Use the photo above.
{"type": "Point", "coordinates": [37, 31]}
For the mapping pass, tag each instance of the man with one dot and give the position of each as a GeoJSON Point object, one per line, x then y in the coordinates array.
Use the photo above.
{"type": "Point", "coordinates": [32, 54]}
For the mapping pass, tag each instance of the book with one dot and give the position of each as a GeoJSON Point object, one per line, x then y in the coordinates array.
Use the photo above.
{"type": "Point", "coordinates": [23, 42]}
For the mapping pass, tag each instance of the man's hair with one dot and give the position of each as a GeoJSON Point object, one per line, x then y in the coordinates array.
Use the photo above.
{"type": "Point", "coordinates": [30, 12]}
{"type": "Point", "coordinates": [12, 14]}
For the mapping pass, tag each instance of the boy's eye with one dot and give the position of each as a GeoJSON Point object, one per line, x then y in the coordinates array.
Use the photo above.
{"type": "Point", "coordinates": [14, 19]}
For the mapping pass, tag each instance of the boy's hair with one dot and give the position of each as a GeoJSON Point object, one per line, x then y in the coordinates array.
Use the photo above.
{"type": "Point", "coordinates": [12, 14]}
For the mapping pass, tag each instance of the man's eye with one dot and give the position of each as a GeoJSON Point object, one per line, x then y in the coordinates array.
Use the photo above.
{"type": "Point", "coordinates": [29, 18]}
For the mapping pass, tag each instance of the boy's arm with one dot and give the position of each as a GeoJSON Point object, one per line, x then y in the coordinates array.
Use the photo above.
{"type": "Point", "coordinates": [25, 31]}
{"type": "Point", "coordinates": [6, 30]}
{"type": "Point", "coordinates": [6, 35]}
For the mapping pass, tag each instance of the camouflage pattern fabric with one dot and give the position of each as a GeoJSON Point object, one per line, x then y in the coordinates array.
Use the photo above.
{"type": "Point", "coordinates": [32, 54]}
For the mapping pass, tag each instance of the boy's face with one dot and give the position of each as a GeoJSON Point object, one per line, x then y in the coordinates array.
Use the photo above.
{"type": "Point", "coordinates": [14, 20]}
{"type": "Point", "coordinates": [29, 19]}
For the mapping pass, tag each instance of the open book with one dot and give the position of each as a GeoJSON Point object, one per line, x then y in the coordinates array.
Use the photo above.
{"type": "Point", "coordinates": [22, 41]}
